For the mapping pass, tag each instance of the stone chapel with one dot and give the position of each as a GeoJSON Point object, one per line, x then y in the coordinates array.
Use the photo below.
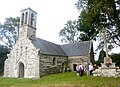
{"type": "Point", "coordinates": [32, 57]}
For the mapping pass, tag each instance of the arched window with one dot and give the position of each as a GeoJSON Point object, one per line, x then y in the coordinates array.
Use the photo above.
{"type": "Point", "coordinates": [26, 16]}
{"type": "Point", "coordinates": [32, 19]}
{"type": "Point", "coordinates": [54, 61]}
{"type": "Point", "coordinates": [22, 19]}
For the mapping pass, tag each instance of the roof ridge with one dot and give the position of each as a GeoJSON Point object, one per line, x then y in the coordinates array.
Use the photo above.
{"type": "Point", "coordinates": [47, 41]}
{"type": "Point", "coordinates": [76, 42]}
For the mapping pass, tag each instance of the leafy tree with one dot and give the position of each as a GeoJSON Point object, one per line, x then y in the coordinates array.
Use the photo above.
{"type": "Point", "coordinates": [102, 54]}
{"type": "Point", "coordinates": [9, 31]}
{"type": "Point", "coordinates": [85, 32]}
{"type": "Point", "coordinates": [94, 12]}
{"type": "Point", "coordinates": [69, 32]}
{"type": "Point", "coordinates": [116, 58]}
{"type": "Point", "coordinates": [3, 55]}
{"type": "Point", "coordinates": [8, 35]}
{"type": "Point", "coordinates": [100, 60]}
{"type": "Point", "coordinates": [73, 32]}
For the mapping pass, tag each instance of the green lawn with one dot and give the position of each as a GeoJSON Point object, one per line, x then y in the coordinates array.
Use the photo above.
{"type": "Point", "coordinates": [68, 79]}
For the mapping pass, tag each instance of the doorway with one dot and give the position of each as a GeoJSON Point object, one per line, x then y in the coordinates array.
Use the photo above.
{"type": "Point", "coordinates": [63, 67]}
{"type": "Point", "coordinates": [74, 67]}
{"type": "Point", "coordinates": [21, 70]}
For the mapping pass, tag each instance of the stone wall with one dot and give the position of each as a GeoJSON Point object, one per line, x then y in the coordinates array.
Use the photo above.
{"type": "Point", "coordinates": [6, 68]}
{"type": "Point", "coordinates": [23, 52]}
{"type": "Point", "coordinates": [51, 64]}
{"type": "Point", "coordinates": [77, 60]}
{"type": "Point", "coordinates": [106, 71]}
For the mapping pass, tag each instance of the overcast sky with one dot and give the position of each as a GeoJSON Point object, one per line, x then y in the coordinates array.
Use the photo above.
{"type": "Point", "coordinates": [52, 15]}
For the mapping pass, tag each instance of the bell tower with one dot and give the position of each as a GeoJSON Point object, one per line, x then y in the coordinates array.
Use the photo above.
{"type": "Point", "coordinates": [28, 24]}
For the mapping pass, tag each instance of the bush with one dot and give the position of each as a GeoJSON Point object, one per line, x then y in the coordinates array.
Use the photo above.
{"type": "Point", "coordinates": [116, 59]}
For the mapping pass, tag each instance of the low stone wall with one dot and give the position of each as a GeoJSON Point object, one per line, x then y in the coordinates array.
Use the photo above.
{"type": "Point", "coordinates": [105, 71]}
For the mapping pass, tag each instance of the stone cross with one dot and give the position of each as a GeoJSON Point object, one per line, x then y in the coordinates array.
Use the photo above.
{"type": "Point", "coordinates": [107, 59]}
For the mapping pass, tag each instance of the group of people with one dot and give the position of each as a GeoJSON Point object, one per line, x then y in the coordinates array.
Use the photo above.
{"type": "Point", "coordinates": [88, 68]}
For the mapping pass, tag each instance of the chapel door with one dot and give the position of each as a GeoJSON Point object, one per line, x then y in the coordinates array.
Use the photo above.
{"type": "Point", "coordinates": [63, 67]}
{"type": "Point", "coordinates": [21, 70]}
{"type": "Point", "coordinates": [74, 67]}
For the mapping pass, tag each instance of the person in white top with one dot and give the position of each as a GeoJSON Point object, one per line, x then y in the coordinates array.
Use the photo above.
{"type": "Point", "coordinates": [78, 70]}
{"type": "Point", "coordinates": [91, 68]}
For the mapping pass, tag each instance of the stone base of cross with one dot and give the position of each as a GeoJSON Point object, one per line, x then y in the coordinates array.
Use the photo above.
{"type": "Point", "coordinates": [108, 61]}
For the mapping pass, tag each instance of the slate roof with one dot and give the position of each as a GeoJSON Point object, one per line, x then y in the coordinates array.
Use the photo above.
{"type": "Point", "coordinates": [73, 49]}
{"type": "Point", "coordinates": [48, 47]}
{"type": "Point", "coordinates": [77, 49]}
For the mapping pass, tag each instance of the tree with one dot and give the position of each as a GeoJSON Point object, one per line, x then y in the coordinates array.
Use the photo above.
{"type": "Point", "coordinates": [9, 31]}
{"type": "Point", "coordinates": [93, 12]}
{"type": "Point", "coordinates": [69, 32]}
{"type": "Point", "coordinates": [86, 33]}
{"type": "Point", "coordinates": [75, 32]}
{"type": "Point", "coordinates": [102, 54]}
{"type": "Point", "coordinates": [116, 59]}
{"type": "Point", "coordinates": [3, 56]}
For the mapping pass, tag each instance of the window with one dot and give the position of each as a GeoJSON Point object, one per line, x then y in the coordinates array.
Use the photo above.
{"type": "Point", "coordinates": [21, 50]}
{"type": "Point", "coordinates": [22, 19]}
{"type": "Point", "coordinates": [32, 19]}
{"type": "Point", "coordinates": [54, 61]}
{"type": "Point", "coordinates": [26, 15]}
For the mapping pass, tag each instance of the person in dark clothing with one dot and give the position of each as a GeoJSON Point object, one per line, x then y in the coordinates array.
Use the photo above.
{"type": "Point", "coordinates": [87, 69]}
{"type": "Point", "coordinates": [95, 67]}
{"type": "Point", "coordinates": [82, 71]}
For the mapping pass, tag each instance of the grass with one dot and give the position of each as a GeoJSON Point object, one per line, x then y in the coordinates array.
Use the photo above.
{"type": "Point", "coordinates": [68, 79]}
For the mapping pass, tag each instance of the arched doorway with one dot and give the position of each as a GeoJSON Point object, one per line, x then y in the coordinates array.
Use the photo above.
{"type": "Point", "coordinates": [21, 70]}
{"type": "Point", "coordinates": [74, 67]}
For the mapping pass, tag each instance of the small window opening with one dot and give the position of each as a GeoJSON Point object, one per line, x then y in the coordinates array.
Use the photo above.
{"type": "Point", "coordinates": [32, 19]}
{"type": "Point", "coordinates": [26, 15]}
{"type": "Point", "coordinates": [22, 19]}
{"type": "Point", "coordinates": [54, 61]}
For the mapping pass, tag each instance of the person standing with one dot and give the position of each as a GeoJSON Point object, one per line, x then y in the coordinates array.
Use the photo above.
{"type": "Point", "coordinates": [81, 70]}
{"type": "Point", "coordinates": [77, 70]}
{"type": "Point", "coordinates": [87, 68]}
{"type": "Point", "coordinates": [95, 67]}
{"type": "Point", "coordinates": [91, 68]}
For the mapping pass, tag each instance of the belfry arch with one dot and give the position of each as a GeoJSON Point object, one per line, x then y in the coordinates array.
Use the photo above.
{"type": "Point", "coordinates": [26, 17]}
{"type": "Point", "coordinates": [32, 19]}
{"type": "Point", "coordinates": [21, 70]}
{"type": "Point", "coordinates": [22, 18]}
